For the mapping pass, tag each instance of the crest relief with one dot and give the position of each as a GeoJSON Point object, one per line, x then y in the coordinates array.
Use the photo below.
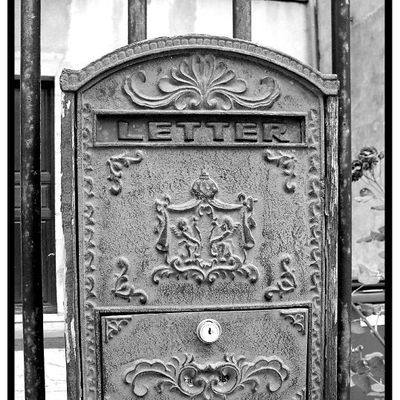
{"type": "Point", "coordinates": [205, 238]}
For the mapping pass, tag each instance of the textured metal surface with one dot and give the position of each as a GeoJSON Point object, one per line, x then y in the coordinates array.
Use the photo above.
{"type": "Point", "coordinates": [68, 209]}
{"type": "Point", "coordinates": [200, 195]}
{"type": "Point", "coordinates": [341, 66]}
{"type": "Point", "coordinates": [137, 20]}
{"type": "Point", "coordinates": [249, 350]}
{"type": "Point", "coordinates": [31, 202]}
{"type": "Point", "coordinates": [72, 80]}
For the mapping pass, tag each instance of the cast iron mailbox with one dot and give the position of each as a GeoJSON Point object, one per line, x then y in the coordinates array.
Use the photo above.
{"type": "Point", "coordinates": [199, 206]}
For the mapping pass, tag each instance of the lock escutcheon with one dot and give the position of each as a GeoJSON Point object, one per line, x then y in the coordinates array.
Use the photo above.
{"type": "Point", "coordinates": [208, 331]}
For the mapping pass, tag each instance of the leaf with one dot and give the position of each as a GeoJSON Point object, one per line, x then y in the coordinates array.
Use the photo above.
{"type": "Point", "coordinates": [376, 395]}
{"type": "Point", "coordinates": [367, 309]}
{"type": "Point", "coordinates": [365, 192]}
{"type": "Point", "coordinates": [365, 195]}
{"type": "Point", "coordinates": [366, 276]}
{"type": "Point", "coordinates": [378, 387]}
{"type": "Point", "coordinates": [363, 382]}
{"type": "Point", "coordinates": [357, 329]}
{"type": "Point", "coordinates": [366, 239]}
{"type": "Point", "coordinates": [360, 199]}
{"type": "Point", "coordinates": [378, 236]}
{"type": "Point", "coordinates": [376, 363]}
{"type": "Point", "coordinates": [381, 269]}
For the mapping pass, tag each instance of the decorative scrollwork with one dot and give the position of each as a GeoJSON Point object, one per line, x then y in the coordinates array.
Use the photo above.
{"type": "Point", "coordinates": [297, 318]}
{"type": "Point", "coordinates": [287, 162]}
{"type": "Point", "coordinates": [115, 164]}
{"type": "Point", "coordinates": [73, 80]}
{"type": "Point", "coordinates": [89, 256]}
{"type": "Point", "coordinates": [207, 381]}
{"type": "Point", "coordinates": [202, 82]}
{"type": "Point", "coordinates": [113, 326]}
{"type": "Point", "coordinates": [315, 217]}
{"type": "Point", "coordinates": [287, 282]}
{"type": "Point", "coordinates": [301, 395]}
{"type": "Point", "coordinates": [123, 288]}
{"type": "Point", "coordinates": [204, 244]}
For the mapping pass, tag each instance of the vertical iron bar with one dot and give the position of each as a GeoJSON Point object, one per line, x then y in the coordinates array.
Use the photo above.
{"type": "Point", "coordinates": [242, 19]}
{"type": "Point", "coordinates": [341, 67]}
{"type": "Point", "coordinates": [31, 202]}
{"type": "Point", "coordinates": [137, 20]}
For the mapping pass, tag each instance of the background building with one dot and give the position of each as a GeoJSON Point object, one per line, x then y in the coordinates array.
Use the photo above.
{"type": "Point", "coordinates": [76, 32]}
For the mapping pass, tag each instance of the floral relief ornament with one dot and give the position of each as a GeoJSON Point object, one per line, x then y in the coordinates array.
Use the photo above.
{"type": "Point", "coordinates": [201, 82]}
{"type": "Point", "coordinates": [211, 381]}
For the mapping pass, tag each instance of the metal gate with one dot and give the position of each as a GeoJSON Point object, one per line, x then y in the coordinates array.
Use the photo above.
{"type": "Point", "coordinates": [229, 146]}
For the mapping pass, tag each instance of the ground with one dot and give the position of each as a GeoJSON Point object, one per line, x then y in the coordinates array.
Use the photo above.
{"type": "Point", "coordinates": [55, 370]}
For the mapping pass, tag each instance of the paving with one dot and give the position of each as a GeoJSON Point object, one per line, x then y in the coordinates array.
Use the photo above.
{"type": "Point", "coordinates": [55, 373]}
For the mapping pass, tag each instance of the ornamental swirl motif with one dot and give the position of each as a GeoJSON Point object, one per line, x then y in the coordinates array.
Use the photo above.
{"type": "Point", "coordinates": [207, 381]}
{"type": "Point", "coordinates": [286, 284]}
{"type": "Point", "coordinates": [205, 238]}
{"type": "Point", "coordinates": [301, 395]}
{"type": "Point", "coordinates": [297, 318]}
{"type": "Point", "coordinates": [89, 254]}
{"type": "Point", "coordinates": [113, 325]}
{"type": "Point", "coordinates": [201, 82]}
{"type": "Point", "coordinates": [315, 215]}
{"type": "Point", "coordinates": [115, 164]}
{"type": "Point", "coordinates": [287, 162]}
{"type": "Point", "coordinates": [123, 289]}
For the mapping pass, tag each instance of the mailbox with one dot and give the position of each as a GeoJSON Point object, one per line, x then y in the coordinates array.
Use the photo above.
{"type": "Point", "coordinates": [199, 213]}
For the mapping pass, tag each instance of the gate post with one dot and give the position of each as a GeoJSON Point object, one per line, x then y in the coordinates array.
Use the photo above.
{"type": "Point", "coordinates": [242, 19]}
{"type": "Point", "coordinates": [137, 20]}
{"type": "Point", "coordinates": [31, 201]}
{"type": "Point", "coordinates": [341, 67]}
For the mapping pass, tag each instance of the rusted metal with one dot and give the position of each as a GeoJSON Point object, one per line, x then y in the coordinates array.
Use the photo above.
{"type": "Point", "coordinates": [331, 212]}
{"type": "Point", "coordinates": [242, 19]}
{"type": "Point", "coordinates": [341, 67]}
{"type": "Point", "coordinates": [31, 201]}
{"type": "Point", "coordinates": [179, 223]}
{"type": "Point", "coordinates": [137, 20]}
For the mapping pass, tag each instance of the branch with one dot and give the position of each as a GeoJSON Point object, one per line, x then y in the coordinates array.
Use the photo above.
{"type": "Point", "coordinates": [373, 330]}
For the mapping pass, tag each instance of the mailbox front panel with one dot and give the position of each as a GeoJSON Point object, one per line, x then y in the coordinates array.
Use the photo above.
{"type": "Point", "coordinates": [259, 353]}
{"type": "Point", "coordinates": [200, 226]}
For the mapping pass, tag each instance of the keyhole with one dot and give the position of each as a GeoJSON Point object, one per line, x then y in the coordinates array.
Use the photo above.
{"type": "Point", "coordinates": [208, 331]}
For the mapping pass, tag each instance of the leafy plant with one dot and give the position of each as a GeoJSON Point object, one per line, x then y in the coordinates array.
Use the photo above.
{"type": "Point", "coordinates": [366, 169]}
{"type": "Point", "coordinates": [367, 370]}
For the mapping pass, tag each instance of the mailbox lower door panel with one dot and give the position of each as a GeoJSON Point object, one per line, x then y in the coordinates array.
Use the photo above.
{"type": "Point", "coordinates": [260, 354]}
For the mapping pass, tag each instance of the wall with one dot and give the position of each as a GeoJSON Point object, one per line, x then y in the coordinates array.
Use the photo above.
{"type": "Point", "coordinates": [76, 32]}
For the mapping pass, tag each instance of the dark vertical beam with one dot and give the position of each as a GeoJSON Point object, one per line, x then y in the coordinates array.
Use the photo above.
{"type": "Point", "coordinates": [31, 202]}
{"type": "Point", "coordinates": [137, 20]}
{"type": "Point", "coordinates": [341, 67]}
{"type": "Point", "coordinates": [242, 19]}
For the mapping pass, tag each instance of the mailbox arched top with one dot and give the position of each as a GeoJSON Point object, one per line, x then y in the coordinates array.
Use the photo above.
{"type": "Point", "coordinates": [73, 80]}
